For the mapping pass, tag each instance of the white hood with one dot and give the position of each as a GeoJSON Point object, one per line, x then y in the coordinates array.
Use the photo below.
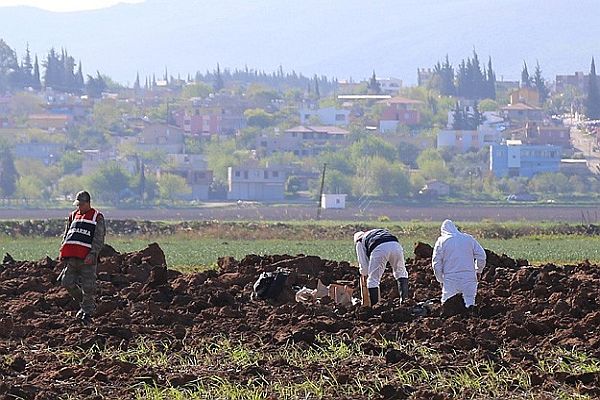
{"type": "Point", "coordinates": [358, 235]}
{"type": "Point", "coordinates": [448, 228]}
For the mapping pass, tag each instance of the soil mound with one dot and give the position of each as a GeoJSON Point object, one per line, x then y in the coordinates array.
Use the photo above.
{"type": "Point", "coordinates": [521, 309]}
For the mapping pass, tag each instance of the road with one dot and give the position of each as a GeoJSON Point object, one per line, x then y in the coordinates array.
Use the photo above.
{"type": "Point", "coordinates": [585, 143]}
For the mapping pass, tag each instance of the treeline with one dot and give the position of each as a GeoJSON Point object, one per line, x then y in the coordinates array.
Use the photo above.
{"type": "Point", "coordinates": [61, 72]}
{"type": "Point", "coordinates": [279, 80]}
{"type": "Point", "coordinates": [469, 80]}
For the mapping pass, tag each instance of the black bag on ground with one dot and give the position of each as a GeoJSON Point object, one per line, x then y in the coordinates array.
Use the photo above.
{"type": "Point", "coordinates": [270, 284]}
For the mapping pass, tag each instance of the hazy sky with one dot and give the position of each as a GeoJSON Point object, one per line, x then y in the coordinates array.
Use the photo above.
{"type": "Point", "coordinates": [65, 5]}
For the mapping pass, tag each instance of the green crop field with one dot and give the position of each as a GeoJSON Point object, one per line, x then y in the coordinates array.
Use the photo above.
{"type": "Point", "coordinates": [191, 252]}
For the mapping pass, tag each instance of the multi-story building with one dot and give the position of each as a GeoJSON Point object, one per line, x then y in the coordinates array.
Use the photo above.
{"type": "Point", "coordinates": [256, 183]}
{"type": "Point", "coordinates": [326, 116]}
{"type": "Point", "coordinates": [514, 158]}
{"type": "Point", "coordinates": [579, 80]}
{"type": "Point", "coordinates": [303, 141]}
{"type": "Point", "coordinates": [399, 111]}
{"type": "Point", "coordinates": [464, 140]}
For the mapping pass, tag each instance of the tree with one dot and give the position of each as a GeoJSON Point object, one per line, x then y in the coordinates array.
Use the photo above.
{"type": "Point", "coordinates": [36, 84]}
{"type": "Point", "coordinates": [540, 84]}
{"type": "Point", "coordinates": [172, 187]}
{"type": "Point", "coordinates": [9, 67]}
{"type": "Point", "coordinates": [199, 89]}
{"type": "Point", "coordinates": [592, 102]}
{"type": "Point", "coordinates": [30, 187]}
{"type": "Point", "coordinates": [218, 84]}
{"type": "Point", "coordinates": [525, 79]}
{"type": "Point", "coordinates": [8, 173]}
{"type": "Point", "coordinates": [108, 182]}
{"type": "Point", "coordinates": [95, 86]}
{"type": "Point", "coordinates": [445, 78]}
{"type": "Point", "coordinates": [372, 146]}
{"type": "Point", "coordinates": [258, 118]}
{"type": "Point", "coordinates": [491, 81]}
{"type": "Point", "coordinates": [389, 179]}
{"type": "Point", "coordinates": [374, 87]}
{"type": "Point", "coordinates": [70, 162]}
{"type": "Point", "coordinates": [136, 84]}
{"type": "Point", "coordinates": [69, 185]}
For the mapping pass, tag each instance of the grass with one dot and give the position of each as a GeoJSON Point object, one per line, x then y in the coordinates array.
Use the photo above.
{"type": "Point", "coordinates": [188, 252]}
{"type": "Point", "coordinates": [313, 371]}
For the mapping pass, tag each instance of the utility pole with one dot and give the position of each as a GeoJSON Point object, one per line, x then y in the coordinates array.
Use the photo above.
{"type": "Point", "coordinates": [321, 191]}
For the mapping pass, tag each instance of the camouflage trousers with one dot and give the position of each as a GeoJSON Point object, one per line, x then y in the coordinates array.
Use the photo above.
{"type": "Point", "coordinates": [80, 281]}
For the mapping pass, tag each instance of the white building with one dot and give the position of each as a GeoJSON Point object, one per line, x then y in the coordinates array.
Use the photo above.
{"type": "Point", "coordinates": [256, 183]}
{"type": "Point", "coordinates": [333, 200]}
{"type": "Point", "coordinates": [325, 116]}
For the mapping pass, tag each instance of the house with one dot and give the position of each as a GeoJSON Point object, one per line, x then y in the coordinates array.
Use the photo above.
{"type": "Point", "coordinates": [49, 122]}
{"type": "Point", "coordinates": [399, 111]}
{"type": "Point", "coordinates": [548, 134]}
{"type": "Point", "coordinates": [46, 152]}
{"type": "Point", "coordinates": [435, 188]}
{"type": "Point", "coordinates": [193, 168]}
{"type": "Point", "coordinates": [578, 80]}
{"type": "Point", "coordinates": [391, 86]}
{"type": "Point", "coordinates": [303, 141]}
{"type": "Point", "coordinates": [326, 116]}
{"type": "Point", "coordinates": [256, 183]}
{"type": "Point", "coordinates": [521, 113]}
{"type": "Point", "coordinates": [526, 95]}
{"type": "Point", "coordinates": [160, 136]}
{"type": "Point", "coordinates": [333, 200]}
{"type": "Point", "coordinates": [514, 158]}
{"type": "Point", "coordinates": [208, 121]}
{"type": "Point", "coordinates": [465, 140]}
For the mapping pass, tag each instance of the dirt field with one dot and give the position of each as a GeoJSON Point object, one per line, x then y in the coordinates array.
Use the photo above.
{"type": "Point", "coordinates": [523, 313]}
{"type": "Point", "coordinates": [586, 215]}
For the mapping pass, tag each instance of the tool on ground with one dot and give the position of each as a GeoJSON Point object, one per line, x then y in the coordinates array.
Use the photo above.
{"type": "Point", "coordinates": [364, 292]}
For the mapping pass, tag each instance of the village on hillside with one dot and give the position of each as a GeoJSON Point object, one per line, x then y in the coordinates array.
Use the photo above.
{"type": "Point", "coordinates": [460, 134]}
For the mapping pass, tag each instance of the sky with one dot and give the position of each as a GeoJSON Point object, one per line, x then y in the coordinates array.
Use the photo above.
{"type": "Point", "coordinates": [65, 5]}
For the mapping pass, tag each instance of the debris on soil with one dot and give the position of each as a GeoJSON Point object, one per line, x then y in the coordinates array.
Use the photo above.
{"type": "Point", "coordinates": [520, 308]}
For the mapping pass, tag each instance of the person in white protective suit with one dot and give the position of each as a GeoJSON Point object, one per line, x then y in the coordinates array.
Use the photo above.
{"type": "Point", "coordinates": [458, 261]}
{"type": "Point", "coordinates": [374, 249]}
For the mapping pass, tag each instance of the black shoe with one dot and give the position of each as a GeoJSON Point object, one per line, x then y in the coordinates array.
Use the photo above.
{"type": "Point", "coordinates": [403, 289]}
{"type": "Point", "coordinates": [374, 295]}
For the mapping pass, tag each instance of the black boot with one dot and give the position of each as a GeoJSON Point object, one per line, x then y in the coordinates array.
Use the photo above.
{"type": "Point", "coordinates": [374, 295]}
{"type": "Point", "coordinates": [403, 289]}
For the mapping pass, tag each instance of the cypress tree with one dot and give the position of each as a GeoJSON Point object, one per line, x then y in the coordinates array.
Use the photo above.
{"type": "Point", "coordinates": [36, 83]}
{"type": "Point", "coordinates": [525, 79]}
{"type": "Point", "coordinates": [539, 84]}
{"type": "Point", "coordinates": [592, 102]}
{"type": "Point", "coordinates": [491, 81]}
{"type": "Point", "coordinates": [374, 87]}
{"type": "Point", "coordinates": [218, 84]}
{"type": "Point", "coordinates": [136, 84]}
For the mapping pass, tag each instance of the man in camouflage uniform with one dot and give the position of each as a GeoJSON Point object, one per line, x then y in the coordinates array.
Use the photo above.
{"type": "Point", "coordinates": [82, 241]}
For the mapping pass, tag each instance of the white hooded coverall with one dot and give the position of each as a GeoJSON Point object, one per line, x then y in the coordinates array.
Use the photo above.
{"type": "Point", "coordinates": [458, 259]}
{"type": "Point", "coordinates": [374, 266]}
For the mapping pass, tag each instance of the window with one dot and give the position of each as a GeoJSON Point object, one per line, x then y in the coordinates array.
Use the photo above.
{"type": "Point", "coordinates": [263, 143]}
{"type": "Point", "coordinates": [275, 174]}
{"type": "Point", "coordinates": [245, 174]}
{"type": "Point", "coordinates": [337, 201]}
{"type": "Point", "coordinates": [340, 117]}
{"type": "Point", "coordinates": [266, 174]}
{"type": "Point", "coordinates": [294, 134]}
{"type": "Point", "coordinates": [237, 174]}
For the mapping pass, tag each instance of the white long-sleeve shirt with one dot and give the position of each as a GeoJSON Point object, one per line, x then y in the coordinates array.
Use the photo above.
{"type": "Point", "coordinates": [457, 253]}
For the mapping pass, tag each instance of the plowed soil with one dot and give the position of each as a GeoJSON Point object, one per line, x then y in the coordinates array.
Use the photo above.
{"type": "Point", "coordinates": [522, 311]}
